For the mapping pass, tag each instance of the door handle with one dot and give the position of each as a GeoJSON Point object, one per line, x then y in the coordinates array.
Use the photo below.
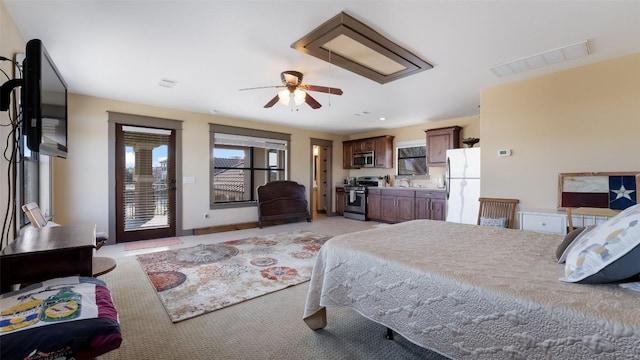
{"type": "Point", "coordinates": [448, 171]}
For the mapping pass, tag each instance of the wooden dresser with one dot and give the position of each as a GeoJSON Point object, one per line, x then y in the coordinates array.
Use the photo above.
{"type": "Point", "coordinates": [46, 253]}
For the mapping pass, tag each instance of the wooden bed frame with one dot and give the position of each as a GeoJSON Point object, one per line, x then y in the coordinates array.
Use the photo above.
{"type": "Point", "coordinates": [282, 200]}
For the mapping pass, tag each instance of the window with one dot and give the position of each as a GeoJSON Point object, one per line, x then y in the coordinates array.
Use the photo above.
{"type": "Point", "coordinates": [34, 177]}
{"type": "Point", "coordinates": [243, 159]}
{"type": "Point", "coordinates": [412, 158]}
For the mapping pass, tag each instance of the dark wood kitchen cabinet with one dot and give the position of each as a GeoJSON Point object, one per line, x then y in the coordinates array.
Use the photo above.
{"type": "Point", "coordinates": [384, 152]}
{"type": "Point", "coordinates": [347, 155]}
{"type": "Point", "coordinates": [397, 205]}
{"type": "Point", "coordinates": [364, 145]}
{"type": "Point", "coordinates": [373, 204]}
{"type": "Point", "coordinates": [382, 146]}
{"type": "Point", "coordinates": [438, 209]}
{"type": "Point", "coordinates": [339, 200]}
{"type": "Point", "coordinates": [431, 205]}
{"type": "Point", "coordinates": [439, 141]}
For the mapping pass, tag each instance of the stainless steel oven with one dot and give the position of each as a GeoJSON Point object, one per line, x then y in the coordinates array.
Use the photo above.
{"type": "Point", "coordinates": [355, 197]}
{"type": "Point", "coordinates": [355, 202]}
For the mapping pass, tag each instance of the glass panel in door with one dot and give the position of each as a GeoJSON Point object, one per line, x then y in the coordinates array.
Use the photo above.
{"type": "Point", "coordinates": [146, 189]}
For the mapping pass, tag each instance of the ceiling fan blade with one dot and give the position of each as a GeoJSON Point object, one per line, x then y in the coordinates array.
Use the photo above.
{"type": "Point", "coordinates": [262, 87]}
{"type": "Point", "coordinates": [324, 89]}
{"type": "Point", "coordinates": [312, 102]}
{"type": "Point", "coordinates": [272, 102]}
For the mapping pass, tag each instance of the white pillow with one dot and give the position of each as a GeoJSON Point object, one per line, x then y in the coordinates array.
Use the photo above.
{"type": "Point", "coordinates": [493, 222]}
{"type": "Point", "coordinates": [608, 253]}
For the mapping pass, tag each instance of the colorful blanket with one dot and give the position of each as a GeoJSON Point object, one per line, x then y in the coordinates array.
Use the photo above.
{"type": "Point", "coordinates": [59, 318]}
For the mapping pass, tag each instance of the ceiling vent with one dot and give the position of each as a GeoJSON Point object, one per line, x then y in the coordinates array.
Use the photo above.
{"type": "Point", "coordinates": [167, 83]}
{"type": "Point", "coordinates": [550, 57]}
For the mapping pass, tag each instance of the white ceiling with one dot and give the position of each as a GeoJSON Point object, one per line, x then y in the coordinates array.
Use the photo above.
{"type": "Point", "coordinates": [122, 50]}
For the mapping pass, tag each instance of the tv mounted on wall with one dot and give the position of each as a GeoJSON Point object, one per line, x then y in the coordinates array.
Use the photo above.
{"type": "Point", "coordinates": [44, 102]}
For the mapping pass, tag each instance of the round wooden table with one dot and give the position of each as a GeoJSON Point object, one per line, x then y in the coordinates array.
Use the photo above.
{"type": "Point", "coordinates": [102, 265]}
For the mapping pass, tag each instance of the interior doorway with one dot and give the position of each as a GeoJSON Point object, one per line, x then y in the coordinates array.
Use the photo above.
{"type": "Point", "coordinates": [321, 183]}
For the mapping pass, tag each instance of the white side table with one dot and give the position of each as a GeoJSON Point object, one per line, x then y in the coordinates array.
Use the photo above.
{"type": "Point", "coordinates": [545, 221]}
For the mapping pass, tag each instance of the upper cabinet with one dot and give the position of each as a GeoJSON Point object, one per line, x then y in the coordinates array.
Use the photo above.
{"type": "Point", "coordinates": [439, 141]}
{"type": "Point", "coordinates": [382, 147]}
{"type": "Point", "coordinates": [364, 145]}
{"type": "Point", "coordinates": [347, 155]}
{"type": "Point", "coordinates": [384, 152]}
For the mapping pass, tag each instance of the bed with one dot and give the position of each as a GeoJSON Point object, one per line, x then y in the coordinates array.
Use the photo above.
{"type": "Point", "coordinates": [282, 200]}
{"type": "Point", "coordinates": [470, 292]}
{"type": "Point", "coordinates": [62, 318]}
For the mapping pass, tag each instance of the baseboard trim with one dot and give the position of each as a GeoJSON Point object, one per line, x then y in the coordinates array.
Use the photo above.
{"type": "Point", "coordinates": [224, 228]}
{"type": "Point", "coordinates": [233, 227]}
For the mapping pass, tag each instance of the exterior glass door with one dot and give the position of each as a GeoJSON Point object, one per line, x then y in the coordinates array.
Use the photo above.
{"type": "Point", "coordinates": [145, 183]}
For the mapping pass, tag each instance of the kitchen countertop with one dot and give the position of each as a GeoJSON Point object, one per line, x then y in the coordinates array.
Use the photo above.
{"type": "Point", "coordinates": [414, 188]}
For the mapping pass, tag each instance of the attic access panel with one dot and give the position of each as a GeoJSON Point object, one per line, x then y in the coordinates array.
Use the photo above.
{"type": "Point", "coordinates": [352, 45]}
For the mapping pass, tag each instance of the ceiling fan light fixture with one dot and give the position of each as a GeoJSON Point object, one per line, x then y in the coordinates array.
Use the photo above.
{"type": "Point", "coordinates": [294, 94]}
{"type": "Point", "coordinates": [283, 97]}
{"type": "Point", "coordinates": [299, 96]}
{"type": "Point", "coordinates": [287, 97]}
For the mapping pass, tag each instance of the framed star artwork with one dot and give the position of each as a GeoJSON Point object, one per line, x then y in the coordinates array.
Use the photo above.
{"type": "Point", "coordinates": [613, 190]}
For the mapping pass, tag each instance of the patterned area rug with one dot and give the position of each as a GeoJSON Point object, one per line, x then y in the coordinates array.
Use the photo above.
{"type": "Point", "coordinates": [148, 244]}
{"type": "Point", "coordinates": [204, 278]}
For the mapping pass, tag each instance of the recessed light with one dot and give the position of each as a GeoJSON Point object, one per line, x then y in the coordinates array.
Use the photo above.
{"type": "Point", "coordinates": [383, 118]}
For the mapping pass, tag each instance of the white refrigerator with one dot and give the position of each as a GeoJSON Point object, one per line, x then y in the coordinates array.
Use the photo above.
{"type": "Point", "coordinates": [463, 185]}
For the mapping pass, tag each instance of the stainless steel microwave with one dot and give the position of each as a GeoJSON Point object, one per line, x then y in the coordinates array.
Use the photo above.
{"type": "Point", "coordinates": [364, 159]}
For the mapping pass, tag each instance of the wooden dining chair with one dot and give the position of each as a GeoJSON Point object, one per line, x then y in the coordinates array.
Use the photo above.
{"type": "Point", "coordinates": [588, 213]}
{"type": "Point", "coordinates": [497, 212]}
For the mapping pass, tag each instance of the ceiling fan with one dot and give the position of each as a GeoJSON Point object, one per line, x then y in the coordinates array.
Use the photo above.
{"type": "Point", "coordinates": [294, 93]}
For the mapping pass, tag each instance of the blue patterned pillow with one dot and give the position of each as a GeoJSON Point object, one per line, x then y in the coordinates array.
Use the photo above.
{"type": "Point", "coordinates": [609, 253]}
{"type": "Point", "coordinates": [573, 237]}
{"type": "Point", "coordinates": [493, 222]}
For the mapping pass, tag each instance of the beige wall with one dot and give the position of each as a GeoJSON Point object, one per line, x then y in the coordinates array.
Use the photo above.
{"type": "Point", "coordinates": [585, 119]}
{"type": "Point", "coordinates": [83, 194]}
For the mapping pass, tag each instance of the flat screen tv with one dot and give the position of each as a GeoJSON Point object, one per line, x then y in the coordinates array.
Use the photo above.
{"type": "Point", "coordinates": [44, 102]}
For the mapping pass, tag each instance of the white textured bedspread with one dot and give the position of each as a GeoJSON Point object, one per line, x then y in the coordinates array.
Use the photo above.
{"type": "Point", "coordinates": [472, 292]}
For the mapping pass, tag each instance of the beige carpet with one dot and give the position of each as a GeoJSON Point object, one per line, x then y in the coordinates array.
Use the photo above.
{"type": "Point", "coordinates": [148, 244]}
{"type": "Point", "coordinates": [268, 327]}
